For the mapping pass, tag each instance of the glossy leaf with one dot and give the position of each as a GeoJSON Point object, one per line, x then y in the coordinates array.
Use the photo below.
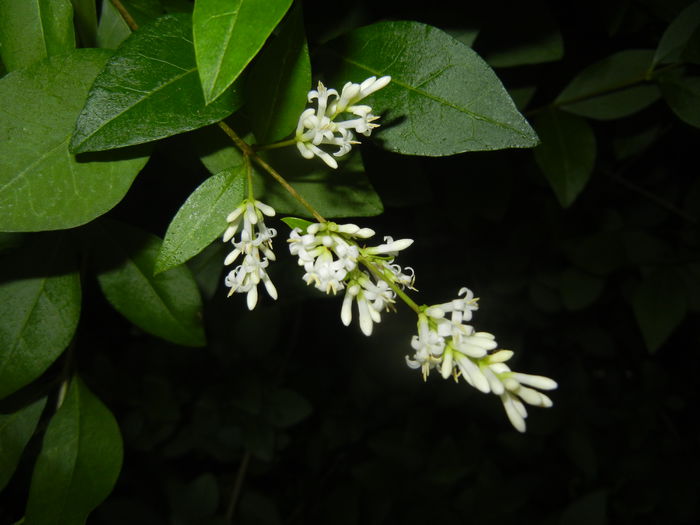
{"type": "Point", "coordinates": [202, 218]}
{"type": "Point", "coordinates": [39, 308]}
{"type": "Point", "coordinates": [659, 307]}
{"type": "Point", "coordinates": [112, 29]}
{"type": "Point", "coordinates": [42, 185]}
{"type": "Point", "coordinates": [228, 34]}
{"type": "Point", "coordinates": [677, 36]}
{"type": "Point", "coordinates": [167, 305]}
{"type": "Point", "coordinates": [567, 153]}
{"type": "Point", "coordinates": [15, 431]}
{"type": "Point", "coordinates": [148, 90]}
{"type": "Point", "coordinates": [86, 21]}
{"type": "Point", "coordinates": [612, 88]}
{"type": "Point", "coordinates": [278, 82]}
{"type": "Point", "coordinates": [443, 98]}
{"type": "Point", "coordinates": [682, 94]}
{"type": "Point", "coordinates": [31, 30]}
{"type": "Point", "coordinates": [79, 463]}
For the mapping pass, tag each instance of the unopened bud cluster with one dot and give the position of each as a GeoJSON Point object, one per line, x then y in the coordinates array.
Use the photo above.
{"type": "Point", "coordinates": [447, 343]}
{"type": "Point", "coordinates": [255, 245]}
{"type": "Point", "coordinates": [321, 126]}
{"type": "Point", "coordinates": [334, 261]}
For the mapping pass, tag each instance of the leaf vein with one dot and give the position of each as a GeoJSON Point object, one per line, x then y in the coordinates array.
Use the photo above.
{"type": "Point", "coordinates": [437, 99]}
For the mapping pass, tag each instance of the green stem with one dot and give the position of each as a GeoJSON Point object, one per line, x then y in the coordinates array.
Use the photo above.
{"type": "Point", "coordinates": [249, 174]}
{"type": "Point", "coordinates": [248, 151]}
{"type": "Point", "coordinates": [125, 15]}
{"type": "Point", "coordinates": [380, 274]}
{"type": "Point", "coordinates": [238, 484]}
{"type": "Point", "coordinates": [275, 145]}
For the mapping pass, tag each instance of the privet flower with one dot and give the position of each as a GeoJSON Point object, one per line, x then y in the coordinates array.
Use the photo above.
{"type": "Point", "coordinates": [255, 245]}
{"type": "Point", "coordinates": [334, 261]}
{"type": "Point", "coordinates": [318, 126]}
{"type": "Point", "coordinates": [445, 342]}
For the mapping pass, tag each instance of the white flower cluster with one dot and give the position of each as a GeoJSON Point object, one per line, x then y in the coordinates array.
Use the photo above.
{"type": "Point", "coordinates": [318, 126]}
{"type": "Point", "coordinates": [455, 348]}
{"type": "Point", "coordinates": [255, 244]}
{"type": "Point", "coordinates": [331, 257]}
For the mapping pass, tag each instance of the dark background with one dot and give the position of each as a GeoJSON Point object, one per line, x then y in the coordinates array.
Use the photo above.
{"type": "Point", "coordinates": [332, 427]}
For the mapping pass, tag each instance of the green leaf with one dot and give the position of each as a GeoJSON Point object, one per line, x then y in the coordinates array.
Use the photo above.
{"type": "Point", "coordinates": [144, 11]}
{"type": "Point", "coordinates": [31, 30]}
{"type": "Point", "coordinates": [466, 36]}
{"type": "Point", "coordinates": [42, 185]}
{"type": "Point", "coordinates": [86, 21]}
{"type": "Point", "coordinates": [443, 98]}
{"type": "Point", "coordinates": [677, 36]}
{"type": "Point", "coordinates": [295, 222]}
{"type": "Point", "coordinates": [167, 305]}
{"type": "Point", "coordinates": [112, 29]}
{"type": "Point", "coordinates": [682, 94]}
{"type": "Point", "coordinates": [177, 6]}
{"type": "Point", "coordinates": [567, 153]}
{"type": "Point", "coordinates": [278, 82]}
{"type": "Point", "coordinates": [612, 88]}
{"type": "Point", "coordinates": [206, 267]}
{"type": "Point", "coordinates": [79, 463]}
{"type": "Point", "coordinates": [659, 306]}
{"type": "Point", "coordinates": [691, 53]}
{"type": "Point", "coordinates": [346, 192]}
{"type": "Point", "coordinates": [227, 35]}
{"type": "Point", "coordinates": [511, 43]}
{"type": "Point", "coordinates": [215, 149]}
{"type": "Point", "coordinates": [522, 96]}
{"type": "Point", "coordinates": [202, 218]}
{"type": "Point", "coordinates": [148, 90]}
{"type": "Point", "coordinates": [39, 308]}
{"type": "Point", "coordinates": [15, 431]}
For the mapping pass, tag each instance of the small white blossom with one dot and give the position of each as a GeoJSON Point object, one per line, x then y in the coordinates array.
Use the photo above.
{"type": "Point", "coordinates": [457, 350]}
{"type": "Point", "coordinates": [319, 127]}
{"type": "Point", "coordinates": [331, 257]}
{"type": "Point", "coordinates": [371, 298]}
{"type": "Point", "coordinates": [255, 245]}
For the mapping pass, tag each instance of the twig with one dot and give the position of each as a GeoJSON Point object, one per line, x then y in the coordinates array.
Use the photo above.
{"type": "Point", "coordinates": [652, 197]}
{"type": "Point", "coordinates": [238, 484]}
{"type": "Point", "coordinates": [248, 151]}
{"type": "Point", "coordinates": [125, 15]}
